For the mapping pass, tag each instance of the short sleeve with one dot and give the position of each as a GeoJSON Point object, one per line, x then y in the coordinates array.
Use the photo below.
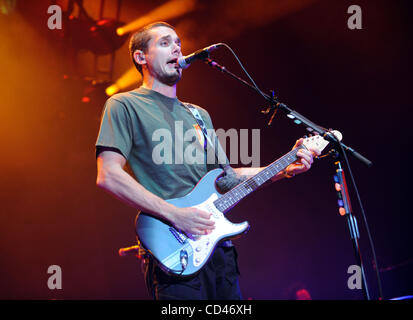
{"type": "Point", "coordinates": [115, 128]}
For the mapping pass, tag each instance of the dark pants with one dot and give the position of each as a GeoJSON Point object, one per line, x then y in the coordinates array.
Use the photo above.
{"type": "Point", "coordinates": [217, 280]}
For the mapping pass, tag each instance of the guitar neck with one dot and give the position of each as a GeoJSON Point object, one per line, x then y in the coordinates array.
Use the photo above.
{"type": "Point", "coordinates": [232, 197]}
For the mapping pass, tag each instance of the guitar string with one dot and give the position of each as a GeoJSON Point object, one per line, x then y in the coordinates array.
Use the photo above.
{"type": "Point", "coordinates": [252, 184]}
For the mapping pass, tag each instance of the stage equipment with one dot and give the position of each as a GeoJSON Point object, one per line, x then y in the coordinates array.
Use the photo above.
{"type": "Point", "coordinates": [340, 150]}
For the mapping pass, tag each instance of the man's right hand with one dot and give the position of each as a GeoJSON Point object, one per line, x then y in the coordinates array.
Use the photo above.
{"type": "Point", "coordinates": [192, 220]}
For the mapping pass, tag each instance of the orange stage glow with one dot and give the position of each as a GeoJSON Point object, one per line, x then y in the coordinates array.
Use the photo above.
{"type": "Point", "coordinates": [130, 77]}
{"type": "Point", "coordinates": [169, 10]}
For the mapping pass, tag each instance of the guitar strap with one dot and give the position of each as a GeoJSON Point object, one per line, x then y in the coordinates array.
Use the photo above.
{"type": "Point", "coordinates": [230, 179]}
{"type": "Point", "coordinates": [201, 124]}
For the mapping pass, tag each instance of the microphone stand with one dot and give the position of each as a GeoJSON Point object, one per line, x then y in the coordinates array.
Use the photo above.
{"type": "Point", "coordinates": [346, 211]}
{"type": "Point", "coordinates": [294, 115]}
{"type": "Point", "coordinates": [339, 177]}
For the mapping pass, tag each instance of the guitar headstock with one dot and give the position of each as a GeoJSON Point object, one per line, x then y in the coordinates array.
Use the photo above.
{"type": "Point", "coordinates": [318, 142]}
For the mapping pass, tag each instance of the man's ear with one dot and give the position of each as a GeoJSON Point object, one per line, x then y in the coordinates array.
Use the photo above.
{"type": "Point", "coordinates": [139, 57]}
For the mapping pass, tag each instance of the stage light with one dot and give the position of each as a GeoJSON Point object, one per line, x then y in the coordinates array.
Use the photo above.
{"type": "Point", "coordinates": [169, 10]}
{"type": "Point", "coordinates": [128, 79]}
{"type": "Point", "coordinates": [111, 90]}
{"type": "Point", "coordinates": [120, 31]}
{"type": "Point", "coordinates": [7, 6]}
{"type": "Point", "coordinates": [99, 37]}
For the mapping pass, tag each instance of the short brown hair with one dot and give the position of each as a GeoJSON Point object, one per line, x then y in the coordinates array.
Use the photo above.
{"type": "Point", "coordinates": [139, 40]}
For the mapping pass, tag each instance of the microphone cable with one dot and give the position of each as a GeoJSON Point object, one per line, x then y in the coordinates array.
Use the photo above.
{"type": "Point", "coordinates": [266, 97]}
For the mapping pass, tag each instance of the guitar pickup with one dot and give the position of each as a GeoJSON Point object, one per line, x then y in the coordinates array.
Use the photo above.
{"type": "Point", "coordinates": [178, 235]}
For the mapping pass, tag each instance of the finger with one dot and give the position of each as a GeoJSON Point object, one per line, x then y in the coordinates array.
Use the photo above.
{"type": "Point", "coordinates": [198, 231]}
{"type": "Point", "coordinates": [306, 164]}
{"type": "Point", "coordinates": [310, 155]}
{"type": "Point", "coordinates": [203, 214]}
{"type": "Point", "coordinates": [296, 168]}
{"type": "Point", "coordinates": [305, 154]}
{"type": "Point", "coordinates": [315, 152]}
{"type": "Point", "coordinates": [205, 222]}
{"type": "Point", "coordinates": [201, 231]}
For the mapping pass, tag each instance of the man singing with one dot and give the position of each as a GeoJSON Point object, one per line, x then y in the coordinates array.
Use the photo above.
{"type": "Point", "coordinates": [129, 124]}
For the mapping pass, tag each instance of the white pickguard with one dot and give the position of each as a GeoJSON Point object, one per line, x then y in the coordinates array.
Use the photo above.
{"type": "Point", "coordinates": [203, 245]}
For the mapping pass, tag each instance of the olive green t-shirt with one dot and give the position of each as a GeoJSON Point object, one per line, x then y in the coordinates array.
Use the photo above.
{"type": "Point", "coordinates": [161, 140]}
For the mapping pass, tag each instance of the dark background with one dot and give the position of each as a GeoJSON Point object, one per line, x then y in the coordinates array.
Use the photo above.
{"type": "Point", "coordinates": [356, 81]}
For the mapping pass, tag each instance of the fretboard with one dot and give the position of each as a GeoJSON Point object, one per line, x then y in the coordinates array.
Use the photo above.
{"type": "Point", "coordinates": [236, 194]}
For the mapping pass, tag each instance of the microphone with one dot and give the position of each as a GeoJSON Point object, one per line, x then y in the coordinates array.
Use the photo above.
{"type": "Point", "coordinates": [201, 54]}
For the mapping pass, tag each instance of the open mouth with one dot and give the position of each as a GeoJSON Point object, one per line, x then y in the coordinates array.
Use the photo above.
{"type": "Point", "coordinates": [173, 63]}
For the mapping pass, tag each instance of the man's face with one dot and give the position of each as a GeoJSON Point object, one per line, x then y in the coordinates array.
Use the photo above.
{"type": "Point", "coordinates": [163, 50]}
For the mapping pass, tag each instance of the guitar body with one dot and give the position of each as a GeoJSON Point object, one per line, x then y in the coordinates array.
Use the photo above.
{"type": "Point", "coordinates": [170, 247]}
{"type": "Point", "coordinates": [184, 255]}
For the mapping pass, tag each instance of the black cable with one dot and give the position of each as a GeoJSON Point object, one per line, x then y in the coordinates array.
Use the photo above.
{"type": "Point", "coordinates": [347, 164]}
{"type": "Point", "coordinates": [266, 97]}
